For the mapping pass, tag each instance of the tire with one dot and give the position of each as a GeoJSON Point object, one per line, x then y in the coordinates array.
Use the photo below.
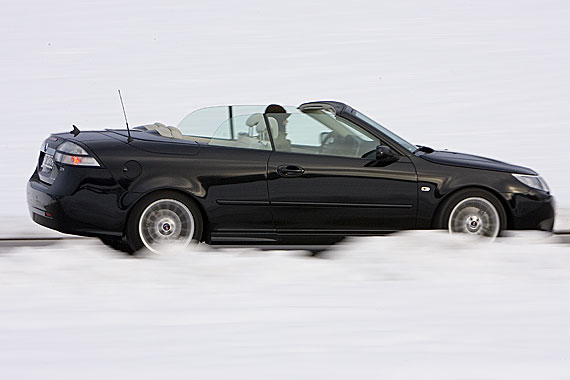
{"type": "Point", "coordinates": [474, 212]}
{"type": "Point", "coordinates": [118, 245]}
{"type": "Point", "coordinates": [162, 220]}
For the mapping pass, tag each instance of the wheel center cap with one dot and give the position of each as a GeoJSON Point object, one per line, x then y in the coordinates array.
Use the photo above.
{"type": "Point", "coordinates": [473, 223]}
{"type": "Point", "coordinates": [166, 227]}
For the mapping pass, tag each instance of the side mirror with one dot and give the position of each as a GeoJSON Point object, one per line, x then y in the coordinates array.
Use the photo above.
{"type": "Point", "coordinates": [325, 137]}
{"type": "Point", "coordinates": [386, 155]}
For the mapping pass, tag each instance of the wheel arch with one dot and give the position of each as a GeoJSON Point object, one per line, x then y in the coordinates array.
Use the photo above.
{"type": "Point", "coordinates": [443, 202]}
{"type": "Point", "coordinates": [186, 194]}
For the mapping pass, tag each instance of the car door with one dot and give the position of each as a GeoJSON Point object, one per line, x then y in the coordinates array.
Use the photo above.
{"type": "Point", "coordinates": [231, 169]}
{"type": "Point", "coordinates": [319, 182]}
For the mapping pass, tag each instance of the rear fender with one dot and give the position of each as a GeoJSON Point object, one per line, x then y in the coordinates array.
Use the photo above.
{"type": "Point", "coordinates": [147, 185]}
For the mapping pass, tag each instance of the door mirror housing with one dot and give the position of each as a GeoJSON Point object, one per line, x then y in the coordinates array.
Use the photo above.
{"type": "Point", "coordinates": [385, 155]}
{"type": "Point", "coordinates": [324, 137]}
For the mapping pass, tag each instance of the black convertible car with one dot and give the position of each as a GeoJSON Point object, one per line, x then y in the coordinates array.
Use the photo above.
{"type": "Point", "coordinates": [307, 175]}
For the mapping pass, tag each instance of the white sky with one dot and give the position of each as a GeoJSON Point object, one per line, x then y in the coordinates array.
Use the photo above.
{"type": "Point", "coordinates": [486, 77]}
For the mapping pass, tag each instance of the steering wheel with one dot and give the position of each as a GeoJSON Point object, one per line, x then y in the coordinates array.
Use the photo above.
{"type": "Point", "coordinates": [328, 140]}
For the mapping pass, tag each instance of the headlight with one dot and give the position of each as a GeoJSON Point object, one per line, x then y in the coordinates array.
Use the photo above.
{"type": "Point", "coordinates": [72, 154]}
{"type": "Point", "coordinates": [534, 181]}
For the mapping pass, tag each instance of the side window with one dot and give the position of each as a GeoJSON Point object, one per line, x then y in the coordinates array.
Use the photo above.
{"type": "Point", "coordinates": [305, 131]}
{"type": "Point", "coordinates": [203, 122]}
{"type": "Point", "coordinates": [318, 132]}
{"type": "Point", "coordinates": [244, 131]}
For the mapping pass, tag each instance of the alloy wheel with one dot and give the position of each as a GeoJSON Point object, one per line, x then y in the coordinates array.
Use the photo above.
{"type": "Point", "coordinates": [475, 216]}
{"type": "Point", "coordinates": [166, 223]}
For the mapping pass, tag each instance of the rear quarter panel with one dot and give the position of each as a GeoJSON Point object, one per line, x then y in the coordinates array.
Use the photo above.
{"type": "Point", "coordinates": [209, 175]}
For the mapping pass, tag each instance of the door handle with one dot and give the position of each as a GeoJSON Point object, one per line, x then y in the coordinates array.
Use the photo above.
{"type": "Point", "coordinates": [290, 171]}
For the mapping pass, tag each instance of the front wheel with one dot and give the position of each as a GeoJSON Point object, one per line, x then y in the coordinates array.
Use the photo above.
{"type": "Point", "coordinates": [475, 213]}
{"type": "Point", "coordinates": [162, 221]}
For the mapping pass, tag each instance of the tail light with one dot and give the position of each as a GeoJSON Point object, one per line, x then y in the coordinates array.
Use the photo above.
{"type": "Point", "coordinates": [72, 154]}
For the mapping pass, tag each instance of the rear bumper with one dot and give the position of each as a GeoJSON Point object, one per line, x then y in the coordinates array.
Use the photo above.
{"type": "Point", "coordinates": [531, 211]}
{"type": "Point", "coordinates": [85, 211]}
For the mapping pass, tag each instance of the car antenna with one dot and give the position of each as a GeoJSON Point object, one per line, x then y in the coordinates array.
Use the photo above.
{"type": "Point", "coordinates": [129, 139]}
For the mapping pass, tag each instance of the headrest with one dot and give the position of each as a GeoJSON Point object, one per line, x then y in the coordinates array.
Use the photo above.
{"type": "Point", "coordinates": [256, 120]}
{"type": "Point", "coordinates": [272, 123]}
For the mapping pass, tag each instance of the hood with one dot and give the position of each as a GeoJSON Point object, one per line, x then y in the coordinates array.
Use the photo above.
{"type": "Point", "coordinates": [475, 162]}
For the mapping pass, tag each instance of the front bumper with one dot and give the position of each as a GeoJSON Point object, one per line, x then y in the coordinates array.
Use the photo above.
{"type": "Point", "coordinates": [531, 211]}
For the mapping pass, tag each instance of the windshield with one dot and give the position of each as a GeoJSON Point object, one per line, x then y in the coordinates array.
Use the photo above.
{"type": "Point", "coordinates": [407, 145]}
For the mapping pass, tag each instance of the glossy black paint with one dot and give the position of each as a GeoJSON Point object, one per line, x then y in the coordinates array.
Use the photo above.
{"type": "Point", "coordinates": [342, 194]}
{"type": "Point", "coordinates": [475, 162]}
{"type": "Point", "coordinates": [248, 195]}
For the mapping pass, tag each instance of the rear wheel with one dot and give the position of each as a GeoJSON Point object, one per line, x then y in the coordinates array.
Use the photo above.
{"type": "Point", "coordinates": [119, 245]}
{"type": "Point", "coordinates": [474, 212]}
{"type": "Point", "coordinates": [163, 221]}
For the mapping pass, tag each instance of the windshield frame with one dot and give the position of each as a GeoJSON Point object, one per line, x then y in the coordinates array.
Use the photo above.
{"type": "Point", "coordinates": [407, 146]}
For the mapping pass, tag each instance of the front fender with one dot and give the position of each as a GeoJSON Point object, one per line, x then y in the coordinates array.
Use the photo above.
{"type": "Point", "coordinates": [442, 181]}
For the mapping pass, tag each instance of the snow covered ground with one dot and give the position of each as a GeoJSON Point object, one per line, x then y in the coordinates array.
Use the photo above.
{"type": "Point", "coordinates": [485, 77]}
{"type": "Point", "coordinates": [415, 306]}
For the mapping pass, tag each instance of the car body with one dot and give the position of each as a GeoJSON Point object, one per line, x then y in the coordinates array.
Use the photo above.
{"type": "Point", "coordinates": [320, 172]}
